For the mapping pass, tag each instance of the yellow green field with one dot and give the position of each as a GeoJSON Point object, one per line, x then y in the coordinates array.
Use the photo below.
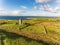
{"type": "Point", "coordinates": [35, 31]}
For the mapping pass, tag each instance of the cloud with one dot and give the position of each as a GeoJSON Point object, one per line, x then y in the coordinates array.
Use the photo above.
{"type": "Point", "coordinates": [57, 0]}
{"type": "Point", "coordinates": [42, 1]}
{"type": "Point", "coordinates": [41, 8]}
{"type": "Point", "coordinates": [40, 13]}
{"type": "Point", "coordinates": [46, 1]}
{"type": "Point", "coordinates": [23, 7]}
{"type": "Point", "coordinates": [2, 11]}
{"type": "Point", "coordinates": [35, 7]}
{"type": "Point", "coordinates": [1, 8]}
{"type": "Point", "coordinates": [45, 7]}
{"type": "Point", "coordinates": [5, 12]}
{"type": "Point", "coordinates": [49, 8]}
{"type": "Point", "coordinates": [11, 13]}
{"type": "Point", "coordinates": [15, 12]}
{"type": "Point", "coordinates": [45, 11]}
{"type": "Point", "coordinates": [27, 13]}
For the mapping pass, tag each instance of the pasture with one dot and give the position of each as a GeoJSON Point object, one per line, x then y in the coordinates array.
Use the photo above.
{"type": "Point", "coordinates": [35, 31]}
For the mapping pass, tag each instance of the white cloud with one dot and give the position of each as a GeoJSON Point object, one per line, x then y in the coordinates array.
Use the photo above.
{"type": "Point", "coordinates": [28, 13]}
{"type": "Point", "coordinates": [15, 12]}
{"type": "Point", "coordinates": [41, 13]}
{"type": "Point", "coordinates": [23, 7]}
{"type": "Point", "coordinates": [57, 0]}
{"type": "Point", "coordinates": [46, 11]}
{"type": "Point", "coordinates": [2, 11]}
{"type": "Point", "coordinates": [51, 9]}
{"type": "Point", "coordinates": [41, 8]}
{"type": "Point", "coordinates": [35, 7]}
{"type": "Point", "coordinates": [45, 1]}
{"type": "Point", "coordinates": [5, 12]}
{"type": "Point", "coordinates": [42, 1]}
{"type": "Point", "coordinates": [47, 7]}
{"type": "Point", "coordinates": [1, 8]}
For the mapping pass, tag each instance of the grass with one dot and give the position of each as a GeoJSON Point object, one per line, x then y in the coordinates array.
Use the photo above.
{"type": "Point", "coordinates": [37, 29]}
{"type": "Point", "coordinates": [31, 32]}
{"type": "Point", "coordinates": [21, 41]}
{"type": "Point", "coordinates": [14, 39]}
{"type": "Point", "coordinates": [53, 29]}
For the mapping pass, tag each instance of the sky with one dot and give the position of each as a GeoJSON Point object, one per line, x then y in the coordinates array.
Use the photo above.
{"type": "Point", "coordinates": [30, 7]}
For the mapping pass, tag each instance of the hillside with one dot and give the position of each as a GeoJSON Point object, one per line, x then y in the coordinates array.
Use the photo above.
{"type": "Point", "coordinates": [37, 31]}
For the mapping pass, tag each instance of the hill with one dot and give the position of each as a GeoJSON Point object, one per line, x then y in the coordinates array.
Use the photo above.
{"type": "Point", "coordinates": [36, 31]}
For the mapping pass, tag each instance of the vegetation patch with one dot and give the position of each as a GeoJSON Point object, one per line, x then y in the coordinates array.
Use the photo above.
{"type": "Point", "coordinates": [38, 31]}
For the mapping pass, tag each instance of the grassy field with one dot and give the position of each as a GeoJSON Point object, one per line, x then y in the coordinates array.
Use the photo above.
{"type": "Point", "coordinates": [35, 31]}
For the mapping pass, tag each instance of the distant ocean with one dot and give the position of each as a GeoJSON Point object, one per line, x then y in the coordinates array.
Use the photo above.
{"type": "Point", "coordinates": [23, 17]}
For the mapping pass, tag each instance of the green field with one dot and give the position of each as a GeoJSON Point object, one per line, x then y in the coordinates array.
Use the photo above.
{"type": "Point", "coordinates": [35, 31]}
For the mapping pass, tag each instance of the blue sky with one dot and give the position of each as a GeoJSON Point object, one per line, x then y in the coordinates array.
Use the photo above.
{"type": "Point", "coordinates": [30, 7]}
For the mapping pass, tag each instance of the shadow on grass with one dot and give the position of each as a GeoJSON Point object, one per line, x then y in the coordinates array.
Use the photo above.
{"type": "Point", "coordinates": [14, 36]}
{"type": "Point", "coordinates": [9, 34]}
{"type": "Point", "coordinates": [3, 23]}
